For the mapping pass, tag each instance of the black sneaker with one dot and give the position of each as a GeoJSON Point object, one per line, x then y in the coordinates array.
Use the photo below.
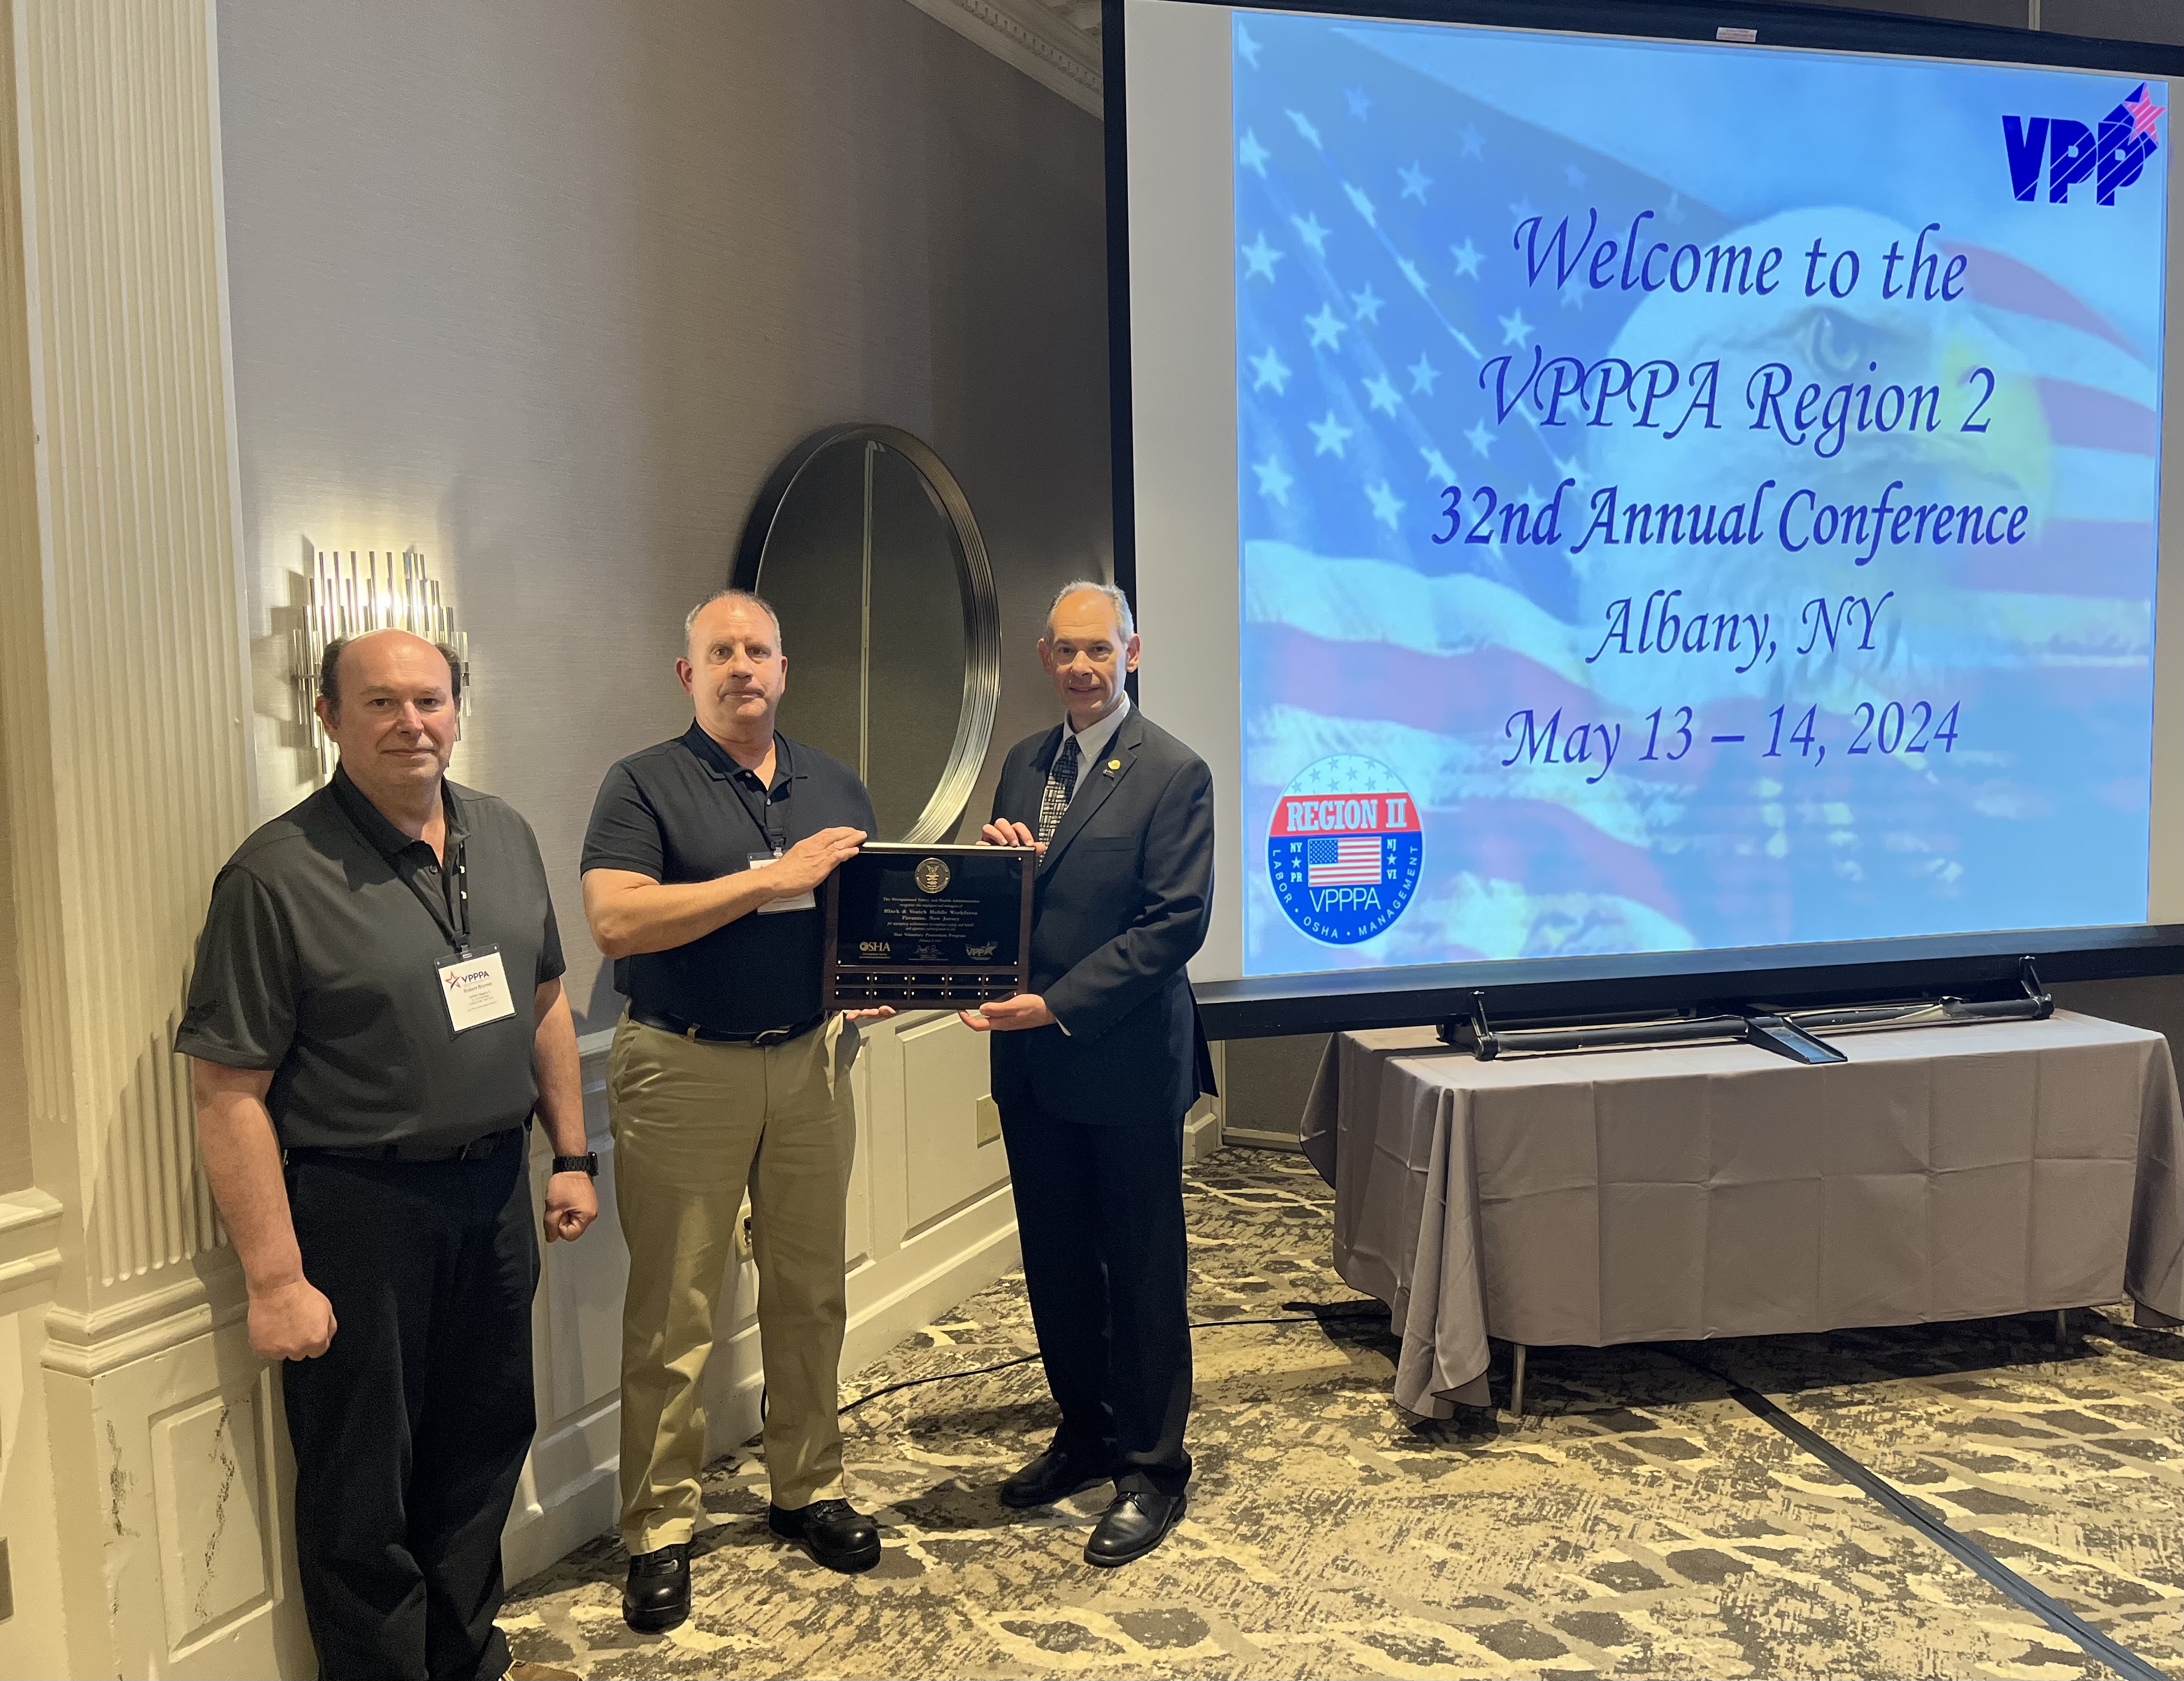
{"type": "Point", "coordinates": [833, 1531]}
{"type": "Point", "coordinates": [657, 1595]}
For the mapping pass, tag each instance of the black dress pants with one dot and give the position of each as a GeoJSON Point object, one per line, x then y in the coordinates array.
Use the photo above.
{"type": "Point", "coordinates": [1100, 1212]}
{"type": "Point", "coordinates": [410, 1430]}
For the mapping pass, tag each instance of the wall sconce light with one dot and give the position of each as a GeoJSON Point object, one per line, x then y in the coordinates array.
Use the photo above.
{"type": "Point", "coordinates": [350, 596]}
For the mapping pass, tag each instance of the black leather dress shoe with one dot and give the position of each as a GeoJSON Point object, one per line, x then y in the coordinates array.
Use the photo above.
{"type": "Point", "coordinates": [1133, 1527]}
{"type": "Point", "coordinates": [657, 1596]}
{"type": "Point", "coordinates": [1054, 1476]}
{"type": "Point", "coordinates": [833, 1531]}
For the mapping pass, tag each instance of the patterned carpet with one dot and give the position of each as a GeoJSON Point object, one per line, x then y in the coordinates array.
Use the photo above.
{"type": "Point", "coordinates": [1637, 1521]}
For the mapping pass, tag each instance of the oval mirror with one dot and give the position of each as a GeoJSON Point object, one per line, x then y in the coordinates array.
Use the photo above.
{"type": "Point", "coordinates": [864, 544]}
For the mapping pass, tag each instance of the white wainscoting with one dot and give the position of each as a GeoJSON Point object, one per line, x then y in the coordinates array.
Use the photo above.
{"type": "Point", "coordinates": [930, 1223]}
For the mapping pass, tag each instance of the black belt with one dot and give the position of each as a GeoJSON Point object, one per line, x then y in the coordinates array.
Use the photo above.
{"type": "Point", "coordinates": [709, 1035]}
{"type": "Point", "coordinates": [476, 1150]}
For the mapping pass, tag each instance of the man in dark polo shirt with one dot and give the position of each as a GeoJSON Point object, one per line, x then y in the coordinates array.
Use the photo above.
{"type": "Point", "coordinates": [375, 1015]}
{"type": "Point", "coordinates": [700, 872]}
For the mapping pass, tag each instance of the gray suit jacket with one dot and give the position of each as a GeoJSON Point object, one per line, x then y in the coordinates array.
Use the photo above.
{"type": "Point", "coordinates": [1121, 904]}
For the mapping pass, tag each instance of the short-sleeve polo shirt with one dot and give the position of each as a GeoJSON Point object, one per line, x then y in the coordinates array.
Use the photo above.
{"type": "Point", "coordinates": [319, 961]}
{"type": "Point", "coordinates": [684, 810]}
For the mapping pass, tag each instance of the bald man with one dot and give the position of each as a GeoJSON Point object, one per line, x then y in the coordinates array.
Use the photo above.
{"type": "Point", "coordinates": [1094, 1070]}
{"type": "Point", "coordinates": [376, 1018]}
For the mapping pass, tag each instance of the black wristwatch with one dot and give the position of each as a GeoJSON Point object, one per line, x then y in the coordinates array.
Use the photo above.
{"type": "Point", "coordinates": [586, 1163]}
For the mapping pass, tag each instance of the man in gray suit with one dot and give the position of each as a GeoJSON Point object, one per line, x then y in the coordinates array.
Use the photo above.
{"type": "Point", "coordinates": [1095, 1069]}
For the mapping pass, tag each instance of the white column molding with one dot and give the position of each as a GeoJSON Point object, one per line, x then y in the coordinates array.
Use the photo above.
{"type": "Point", "coordinates": [1202, 1128]}
{"type": "Point", "coordinates": [129, 768]}
{"type": "Point", "coordinates": [30, 1260]}
{"type": "Point", "coordinates": [129, 782]}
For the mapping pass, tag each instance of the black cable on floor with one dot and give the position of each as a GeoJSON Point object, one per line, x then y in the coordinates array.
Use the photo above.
{"type": "Point", "coordinates": [1961, 1547]}
{"type": "Point", "coordinates": [1315, 1313]}
{"type": "Point", "coordinates": [938, 1378]}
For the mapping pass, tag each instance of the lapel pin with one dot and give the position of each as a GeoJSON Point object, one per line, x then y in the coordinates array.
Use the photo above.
{"type": "Point", "coordinates": [1114, 765]}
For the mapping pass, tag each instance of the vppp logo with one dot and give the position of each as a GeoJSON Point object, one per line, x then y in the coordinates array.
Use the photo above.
{"type": "Point", "coordinates": [2113, 155]}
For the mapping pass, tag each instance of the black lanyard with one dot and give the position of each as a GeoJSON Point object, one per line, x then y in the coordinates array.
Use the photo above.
{"type": "Point", "coordinates": [458, 928]}
{"type": "Point", "coordinates": [775, 839]}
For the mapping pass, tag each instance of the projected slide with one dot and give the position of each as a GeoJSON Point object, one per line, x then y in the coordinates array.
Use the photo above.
{"type": "Point", "coordinates": [1690, 497]}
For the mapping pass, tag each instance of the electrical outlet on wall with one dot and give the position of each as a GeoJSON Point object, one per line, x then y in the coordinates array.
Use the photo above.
{"type": "Point", "coordinates": [990, 1121]}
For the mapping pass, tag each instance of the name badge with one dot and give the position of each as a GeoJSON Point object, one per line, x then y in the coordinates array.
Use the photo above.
{"type": "Point", "coordinates": [803, 901]}
{"type": "Point", "coordinates": [476, 988]}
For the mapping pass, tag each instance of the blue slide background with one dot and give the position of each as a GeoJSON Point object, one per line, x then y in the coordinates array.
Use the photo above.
{"type": "Point", "coordinates": [1384, 175]}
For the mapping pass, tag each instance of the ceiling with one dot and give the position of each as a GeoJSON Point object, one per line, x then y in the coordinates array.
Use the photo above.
{"type": "Point", "coordinates": [1055, 42]}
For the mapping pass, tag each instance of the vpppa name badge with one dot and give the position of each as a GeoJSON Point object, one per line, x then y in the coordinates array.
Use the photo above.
{"type": "Point", "coordinates": [801, 902]}
{"type": "Point", "coordinates": [933, 927]}
{"type": "Point", "coordinates": [475, 986]}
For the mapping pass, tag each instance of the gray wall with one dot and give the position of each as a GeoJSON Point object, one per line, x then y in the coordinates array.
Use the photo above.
{"type": "Point", "coordinates": [2158, 1004]}
{"type": "Point", "coordinates": [547, 287]}
{"type": "Point", "coordinates": [2116, 19]}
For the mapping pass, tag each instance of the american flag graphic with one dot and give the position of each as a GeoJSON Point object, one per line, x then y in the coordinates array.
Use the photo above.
{"type": "Point", "coordinates": [1380, 173]}
{"type": "Point", "coordinates": [1343, 863]}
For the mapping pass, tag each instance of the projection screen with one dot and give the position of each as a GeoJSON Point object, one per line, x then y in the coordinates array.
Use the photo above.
{"type": "Point", "coordinates": [1645, 512]}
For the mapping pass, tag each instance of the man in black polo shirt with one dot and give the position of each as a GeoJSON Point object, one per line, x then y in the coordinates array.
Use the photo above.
{"type": "Point", "coordinates": [700, 872]}
{"type": "Point", "coordinates": [376, 1014]}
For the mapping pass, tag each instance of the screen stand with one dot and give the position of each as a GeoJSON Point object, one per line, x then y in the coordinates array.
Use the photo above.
{"type": "Point", "coordinates": [1786, 1033]}
{"type": "Point", "coordinates": [1782, 1037]}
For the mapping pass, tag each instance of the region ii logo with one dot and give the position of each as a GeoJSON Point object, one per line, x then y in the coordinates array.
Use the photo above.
{"type": "Point", "coordinates": [1344, 849]}
{"type": "Point", "coordinates": [2113, 155]}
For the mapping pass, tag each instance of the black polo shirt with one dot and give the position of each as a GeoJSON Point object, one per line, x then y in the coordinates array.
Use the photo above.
{"type": "Point", "coordinates": [318, 961]}
{"type": "Point", "coordinates": [684, 810]}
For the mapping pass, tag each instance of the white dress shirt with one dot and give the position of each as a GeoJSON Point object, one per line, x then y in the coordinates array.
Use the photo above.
{"type": "Point", "coordinates": [1090, 744]}
{"type": "Point", "coordinates": [1093, 742]}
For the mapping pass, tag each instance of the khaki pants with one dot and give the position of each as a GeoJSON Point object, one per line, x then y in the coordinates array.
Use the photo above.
{"type": "Point", "coordinates": [694, 1124]}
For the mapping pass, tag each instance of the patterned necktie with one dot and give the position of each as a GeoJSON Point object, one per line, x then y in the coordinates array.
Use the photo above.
{"type": "Point", "coordinates": [1060, 785]}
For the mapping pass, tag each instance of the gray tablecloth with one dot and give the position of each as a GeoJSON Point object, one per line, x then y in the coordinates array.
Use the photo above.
{"type": "Point", "coordinates": [1719, 1190]}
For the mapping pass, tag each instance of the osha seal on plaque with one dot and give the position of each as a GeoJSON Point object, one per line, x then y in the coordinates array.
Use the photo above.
{"type": "Point", "coordinates": [927, 927]}
{"type": "Point", "coordinates": [1344, 849]}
